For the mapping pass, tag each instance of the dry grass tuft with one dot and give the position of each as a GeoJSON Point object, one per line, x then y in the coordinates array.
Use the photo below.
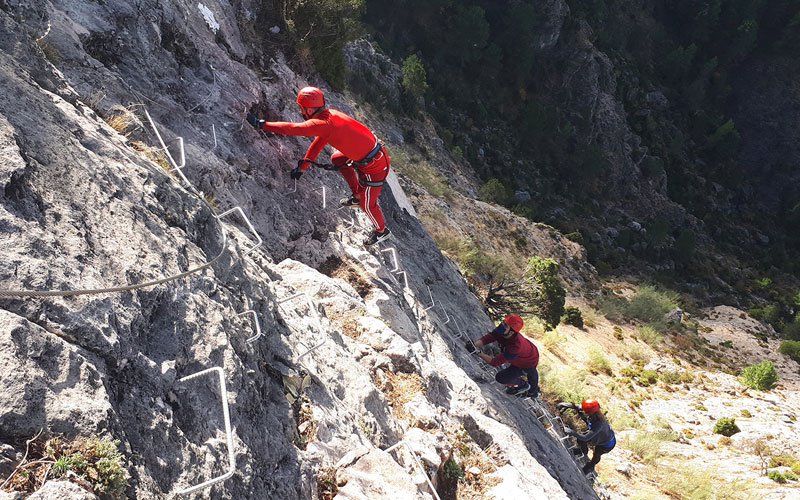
{"type": "Point", "coordinates": [326, 483]}
{"type": "Point", "coordinates": [154, 154]}
{"type": "Point", "coordinates": [123, 120]}
{"type": "Point", "coordinates": [335, 267]}
{"type": "Point", "coordinates": [346, 323]}
{"type": "Point", "coordinates": [400, 388]}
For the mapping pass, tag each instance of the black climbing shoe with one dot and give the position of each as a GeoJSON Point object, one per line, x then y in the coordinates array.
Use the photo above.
{"type": "Point", "coordinates": [519, 390]}
{"type": "Point", "coordinates": [377, 237]}
{"type": "Point", "coordinates": [351, 201]}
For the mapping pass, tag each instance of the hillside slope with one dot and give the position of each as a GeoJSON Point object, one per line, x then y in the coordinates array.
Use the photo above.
{"type": "Point", "coordinates": [87, 203]}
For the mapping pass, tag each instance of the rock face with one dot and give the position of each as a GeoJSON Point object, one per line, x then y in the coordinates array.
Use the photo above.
{"type": "Point", "coordinates": [82, 208]}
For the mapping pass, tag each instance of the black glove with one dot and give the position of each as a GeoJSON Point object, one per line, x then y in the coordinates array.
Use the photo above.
{"type": "Point", "coordinates": [471, 348]}
{"type": "Point", "coordinates": [254, 121]}
{"type": "Point", "coordinates": [565, 406]}
{"type": "Point", "coordinates": [295, 173]}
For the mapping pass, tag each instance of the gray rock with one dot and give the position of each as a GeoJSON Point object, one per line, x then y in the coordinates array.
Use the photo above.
{"type": "Point", "coordinates": [657, 100]}
{"type": "Point", "coordinates": [674, 316]}
{"type": "Point", "coordinates": [375, 475]}
{"type": "Point", "coordinates": [61, 490]}
{"type": "Point", "coordinates": [522, 196]}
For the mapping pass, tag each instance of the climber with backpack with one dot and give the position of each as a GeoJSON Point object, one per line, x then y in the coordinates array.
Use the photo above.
{"type": "Point", "coordinates": [516, 350]}
{"type": "Point", "coordinates": [359, 156]}
{"type": "Point", "coordinates": [599, 434]}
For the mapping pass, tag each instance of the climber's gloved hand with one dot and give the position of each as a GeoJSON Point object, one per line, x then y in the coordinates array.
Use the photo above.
{"type": "Point", "coordinates": [565, 406]}
{"type": "Point", "coordinates": [303, 163]}
{"type": "Point", "coordinates": [295, 173]}
{"type": "Point", "coordinates": [471, 348]}
{"type": "Point", "coordinates": [254, 121]}
{"type": "Point", "coordinates": [567, 430]}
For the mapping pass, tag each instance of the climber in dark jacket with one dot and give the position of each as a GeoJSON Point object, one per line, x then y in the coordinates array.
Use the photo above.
{"type": "Point", "coordinates": [600, 434]}
{"type": "Point", "coordinates": [517, 350]}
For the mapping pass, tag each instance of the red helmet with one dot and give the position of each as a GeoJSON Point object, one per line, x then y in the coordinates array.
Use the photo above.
{"type": "Point", "coordinates": [310, 97]}
{"type": "Point", "coordinates": [590, 405]}
{"type": "Point", "coordinates": [514, 321]}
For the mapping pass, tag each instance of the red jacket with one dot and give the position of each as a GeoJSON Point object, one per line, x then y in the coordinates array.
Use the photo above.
{"type": "Point", "coordinates": [349, 136]}
{"type": "Point", "coordinates": [517, 350]}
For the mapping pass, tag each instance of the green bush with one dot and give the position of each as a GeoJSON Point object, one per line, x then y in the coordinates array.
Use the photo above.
{"type": "Point", "coordinates": [761, 376]}
{"type": "Point", "coordinates": [598, 362]}
{"type": "Point", "coordinates": [651, 304]}
{"type": "Point", "coordinates": [577, 237]}
{"type": "Point", "coordinates": [649, 335]}
{"type": "Point", "coordinates": [781, 477]}
{"type": "Point", "coordinates": [726, 426]}
{"type": "Point", "coordinates": [796, 467]}
{"type": "Point", "coordinates": [414, 78]}
{"type": "Point", "coordinates": [782, 461]}
{"type": "Point", "coordinates": [790, 348]}
{"type": "Point", "coordinates": [542, 292]}
{"type": "Point", "coordinates": [452, 470]}
{"type": "Point", "coordinates": [791, 331]}
{"type": "Point", "coordinates": [323, 28]}
{"type": "Point", "coordinates": [572, 316]}
{"type": "Point", "coordinates": [495, 192]}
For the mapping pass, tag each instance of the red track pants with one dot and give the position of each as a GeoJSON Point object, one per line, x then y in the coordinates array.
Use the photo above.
{"type": "Point", "coordinates": [374, 171]}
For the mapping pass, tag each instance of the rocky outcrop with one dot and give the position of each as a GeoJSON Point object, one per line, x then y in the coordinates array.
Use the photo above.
{"type": "Point", "coordinates": [82, 207]}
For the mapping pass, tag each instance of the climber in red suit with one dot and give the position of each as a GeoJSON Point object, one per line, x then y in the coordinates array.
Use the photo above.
{"type": "Point", "coordinates": [359, 156]}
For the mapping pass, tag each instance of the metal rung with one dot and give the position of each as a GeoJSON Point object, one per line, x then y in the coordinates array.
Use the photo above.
{"type": "Point", "coordinates": [405, 279]}
{"type": "Point", "coordinates": [324, 199]}
{"type": "Point", "coordinates": [214, 133]}
{"type": "Point", "coordinates": [250, 226]}
{"type": "Point", "coordinates": [229, 435]}
{"type": "Point", "coordinates": [308, 297]}
{"type": "Point", "coordinates": [419, 466]}
{"type": "Point", "coordinates": [445, 314]}
{"type": "Point", "coordinates": [432, 302]}
{"type": "Point", "coordinates": [175, 166]}
{"type": "Point", "coordinates": [311, 349]}
{"type": "Point", "coordinates": [393, 253]}
{"type": "Point", "coordinates": [258, 326]}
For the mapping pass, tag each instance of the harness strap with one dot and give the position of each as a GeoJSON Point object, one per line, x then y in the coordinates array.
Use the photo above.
{"type": "Point", "coordinates": [371, 155]}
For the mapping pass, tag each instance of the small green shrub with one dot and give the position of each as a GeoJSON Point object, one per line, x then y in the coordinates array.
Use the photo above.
{"type": "Point", "coordinates": [576, 237]}
{"type": "Point", "coordinates": [670, 378]}
{"type": "Point", "coordinates": [572, 316]}
{"type": "Point", "coordinates": [796, 467]}
{"type": "Point", "coordinates": [726, 426]}
{"type": "Point", "coordinates": [649, 335]}
{"type": "Point", "coordinates": [494, 191]}
{"type": "Point", "coordinates": [452, 470]}
{"type": "Point", "coordinates": [618, 333]}
{"type": "Point", "coordinates": [646, 446]}
{"type": "Point", "coordinates": [760, 376]}
{"type": "Point", "coordinates": [637, 354]}
{"type": "Point", "coordinates": [651, 304]}
{"type": "Point", "coordinates": [598, 363]}
{"type": "Point", "coordinates": [781, 477]}
{"type": "Point", "coordinates": [727, 343]}
{"type": "Point", "coordinates": [746, 413]}
{"type": "Point", "coordinates": [781, 461]}
{"type": "Point", "coordinates": [565, 384]}
{"type": "Point", "coordinates": [790, 348]}
{"type": "Point", "coordinates": [648, 377]}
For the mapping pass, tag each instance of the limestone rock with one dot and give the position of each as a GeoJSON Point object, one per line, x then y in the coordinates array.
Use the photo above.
{"type": "Point", "coordinates": [61, 490]}
{"type": "Point", "coordinates": [376, 475]}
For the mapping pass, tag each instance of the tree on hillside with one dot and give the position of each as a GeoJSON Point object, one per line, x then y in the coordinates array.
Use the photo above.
{"type": "Point", "coordinates": [536, 292]}
{"type": "Point", "coordinates": [414, 80]}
